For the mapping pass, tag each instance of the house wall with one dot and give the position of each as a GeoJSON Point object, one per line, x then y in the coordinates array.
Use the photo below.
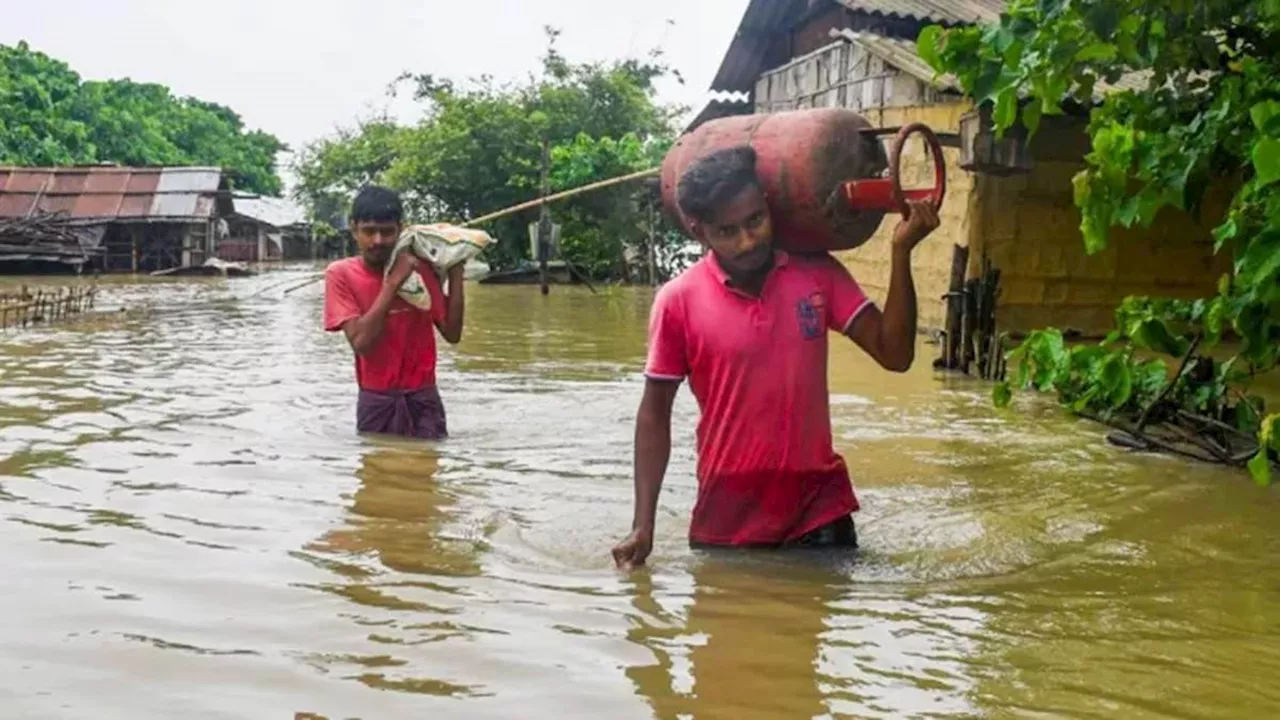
{"type": "Point", "coordinates": [840, 75]}
{"type": "Point", "coordinates": [242, 243]}
{"type": "Point", "coordinates": [812, 33]}
{"type": "Point", "coordinates": [1030, 228]}
{"type": "Point", "coordinates": [1027, 224]}
{"type": "Point", "coordinates": [931, 261]}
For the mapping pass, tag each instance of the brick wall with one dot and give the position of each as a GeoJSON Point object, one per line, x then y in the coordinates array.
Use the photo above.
{"type": "Point", "coordinates": [1030, 228]}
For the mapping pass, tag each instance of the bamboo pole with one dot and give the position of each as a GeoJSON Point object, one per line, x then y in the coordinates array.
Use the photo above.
{"type": "Point", "coordinates": [538, 202]}
{"type": "Point", "coordinates": [560, 196]}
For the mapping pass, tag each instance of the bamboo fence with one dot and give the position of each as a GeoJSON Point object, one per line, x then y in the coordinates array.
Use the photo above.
{"type": "Point", "coordinates": [24, 307]}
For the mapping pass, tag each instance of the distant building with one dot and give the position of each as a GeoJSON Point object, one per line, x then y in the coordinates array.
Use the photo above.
{"type": "Point", "coordinates": [1005, 201]}
{"type": "Point", "coordinates": [126, 219]}
{"type": "Point", "coordinates": [265, 229]}
{"type": "Point", "coordinates": [122, 219]}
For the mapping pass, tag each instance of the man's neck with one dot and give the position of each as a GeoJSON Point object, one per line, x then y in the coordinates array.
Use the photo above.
{"type": "Point", "coordinates": [751, 283]}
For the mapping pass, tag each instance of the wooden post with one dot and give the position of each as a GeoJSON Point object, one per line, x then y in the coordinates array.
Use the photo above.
{"type": "Point", "coordinates": [970, 325]}
{"type": "Point", "coordinates": [544, 216]}
{"type": "Point", "coordinates": [955, 306]}
{"type": "Point", "coordinates": [653, 244]}
{"type": "Point", "coordinates": [986, 289]}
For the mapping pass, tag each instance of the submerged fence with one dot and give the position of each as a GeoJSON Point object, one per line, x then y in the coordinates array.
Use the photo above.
{"type": "Point", "coordinates": [24, 306]}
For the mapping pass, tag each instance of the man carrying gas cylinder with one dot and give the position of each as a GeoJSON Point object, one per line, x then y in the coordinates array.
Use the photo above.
{"type": "Point", "coordinates": [747, 326]}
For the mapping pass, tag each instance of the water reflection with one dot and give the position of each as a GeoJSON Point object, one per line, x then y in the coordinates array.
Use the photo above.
{"type": "Point", "coordinates": [401, 513]}
{"type": "Point", "coordinates": [707, 666]}
{"type": "Point", "coordinates": [186, 508]}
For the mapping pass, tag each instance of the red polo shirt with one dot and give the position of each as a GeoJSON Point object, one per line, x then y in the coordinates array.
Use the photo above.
{"type": "Point", "coordinates": [767, 470]}
{"type": "Point", "coordinates": [404, 358]}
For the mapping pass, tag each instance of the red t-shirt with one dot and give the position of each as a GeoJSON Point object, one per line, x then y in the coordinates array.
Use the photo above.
{"type": "Point", "coordinates": [404, 358]}
{"type": "Point", "coordinates": [767, 469]}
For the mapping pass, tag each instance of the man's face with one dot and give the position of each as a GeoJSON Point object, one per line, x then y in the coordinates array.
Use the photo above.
{"type": "Point", "coordinates": [740, 233]}
{"type": "Point", "coordinates": [375, 240]}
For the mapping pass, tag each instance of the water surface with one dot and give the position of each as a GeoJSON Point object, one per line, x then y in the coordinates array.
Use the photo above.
{"type": "Point", "coordinates": [192, 529]}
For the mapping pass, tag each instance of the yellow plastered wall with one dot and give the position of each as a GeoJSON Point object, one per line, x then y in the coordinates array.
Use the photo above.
{"type": "Point", "coordinates": [1029, 228]}
{"type": "Point", "coordinates": [931, 262]}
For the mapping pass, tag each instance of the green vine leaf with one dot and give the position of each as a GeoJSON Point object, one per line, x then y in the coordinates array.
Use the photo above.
{"type": "Point", "coordinates": [927, 46]}
{"type": "Point", "coordinates": [1180, 104]}
{"type": "Point", "coordinates": [1266, 160]}
{"type": "Point", "coordinates": [1268, 439]}
{"type": "Point", "coordinates": [1002, 395]}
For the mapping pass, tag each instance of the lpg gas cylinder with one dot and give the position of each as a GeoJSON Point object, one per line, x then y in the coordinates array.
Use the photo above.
{"type": "Point", "coordinates": [804, 161]}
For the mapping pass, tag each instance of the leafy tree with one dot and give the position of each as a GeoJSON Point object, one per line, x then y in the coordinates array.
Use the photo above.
{"type": "Point", "coordinates": [37, 100]}
{"type": "Point", "coordinates": [478, 149]}
{"type": "Point", "coordinates": [49, 117]}
{"type": "Point", "coordinates": [1208, 111]}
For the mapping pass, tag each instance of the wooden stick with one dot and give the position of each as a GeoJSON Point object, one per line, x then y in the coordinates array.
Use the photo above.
{"type": "Point", "coordinates": [1216, 423]}
{"type": "Point", "coordinates": [560, 196]}
{"type": "Point", "coordinates": [1186, 359]}
{"type": "Point", "coordinates": [525, 206]}
{"type": "Point", "coordinates": [309, 281]}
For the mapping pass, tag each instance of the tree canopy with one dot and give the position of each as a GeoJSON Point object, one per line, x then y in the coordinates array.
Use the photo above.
{"type": "Point", "coordinates": [478, 149]}
{"type": "Point", "coordinates": [48, 116]}
{"type": "Point", "coordinates": [1207, 110]}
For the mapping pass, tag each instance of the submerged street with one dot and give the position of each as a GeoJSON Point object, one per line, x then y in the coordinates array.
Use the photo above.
{"type": "Point", "coordinates": [192, 528]}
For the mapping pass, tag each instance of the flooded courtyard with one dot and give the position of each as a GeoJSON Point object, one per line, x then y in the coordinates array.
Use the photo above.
{"type": "Point", "coordinates": [192, 529]}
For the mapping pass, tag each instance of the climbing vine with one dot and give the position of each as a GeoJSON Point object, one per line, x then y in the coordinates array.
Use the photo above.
{"type": "Point", "coordinates": [1182, 94]}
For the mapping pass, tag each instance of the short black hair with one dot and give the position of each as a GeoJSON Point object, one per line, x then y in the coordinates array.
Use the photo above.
{"type": "Point", "coordinates": [377, 204]}
{"type": "Point", "coordinates": [715, 179]}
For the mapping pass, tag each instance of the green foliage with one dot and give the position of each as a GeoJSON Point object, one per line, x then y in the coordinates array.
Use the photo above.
{"type": "Point", "coordinates": [478, 149]}
{"type": "Point", "coordinates": [49, 117]}
{"type": "Point", "coordinates": [1269, 436]}
{"type": "Point", "coordinates": [1101, 380]}
{"type": "Point", "coordinates": [1182, 95]}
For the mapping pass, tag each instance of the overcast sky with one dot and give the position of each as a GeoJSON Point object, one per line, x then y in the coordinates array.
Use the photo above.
{"type": "Point", "coordinates": [300, 68]}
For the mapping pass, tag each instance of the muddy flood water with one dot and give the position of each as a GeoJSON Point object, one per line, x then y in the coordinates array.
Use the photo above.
{"type": "Point", "coordinates": [192, 529]}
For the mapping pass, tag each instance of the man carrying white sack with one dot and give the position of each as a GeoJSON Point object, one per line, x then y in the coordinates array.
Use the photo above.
{"type": "Point", "coordinates": [389, 303]}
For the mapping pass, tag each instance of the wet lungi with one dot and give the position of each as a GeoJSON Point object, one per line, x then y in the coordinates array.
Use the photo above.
{"type": "Point", "coordinates": [409, 413]}
{"type": "Point", "coordinates": [839, 533]}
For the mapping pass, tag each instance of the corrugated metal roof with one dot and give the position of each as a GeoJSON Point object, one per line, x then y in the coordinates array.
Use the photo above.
{"type": "Point", "coordinates": [110, 193]}
{"type": "Point", "coordinates": [277, 212]}
{"type": "Point", "coordinates": [189, 179]}
{"type": "Point", "coordinates": [764, 19]}
{"type": "Point", "coordinates": [744, 60]}
{"type": "Point", "coordinates": [951, 12]}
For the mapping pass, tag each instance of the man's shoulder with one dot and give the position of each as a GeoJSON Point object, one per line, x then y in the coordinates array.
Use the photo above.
{"type": "Point", "coordinates": [352, 273]}
{"type": "Point", "coordinates": [817, 263]}
{"type": "Point", "coordinates": [342, 268]}
{"type": "Point", "coordinates": [684, 282]}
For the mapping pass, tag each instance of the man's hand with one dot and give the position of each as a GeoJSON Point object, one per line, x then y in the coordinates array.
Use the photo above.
{"type": "Point", "coordinates": [455, 274]}
{"type": "Point", "coordinates": [632, 552]}
{"type": "Point", "coordinates": [921, 220]}
{"type": "Point", "coordinates": [405, 265]}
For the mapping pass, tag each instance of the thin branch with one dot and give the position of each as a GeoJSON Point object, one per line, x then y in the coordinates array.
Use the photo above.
{"type": "Point", "coordinates": [1202, 441]}
{"type": "Point", "coordinates": [1150, 441]}
{"type": "Point", "coordinates": [1217, 424]}
{"type": "Point", "coordinates": [1186, 360]}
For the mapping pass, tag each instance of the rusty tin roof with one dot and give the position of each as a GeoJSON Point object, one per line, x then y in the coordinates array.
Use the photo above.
{"type": "Point", "coordinates": [744, 60]}
{"type": "Point", "coordinates": [109, 193]}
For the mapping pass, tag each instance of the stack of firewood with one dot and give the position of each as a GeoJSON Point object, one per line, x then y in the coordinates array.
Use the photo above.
{"type": "Point", "coordinates": [44, 236]}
